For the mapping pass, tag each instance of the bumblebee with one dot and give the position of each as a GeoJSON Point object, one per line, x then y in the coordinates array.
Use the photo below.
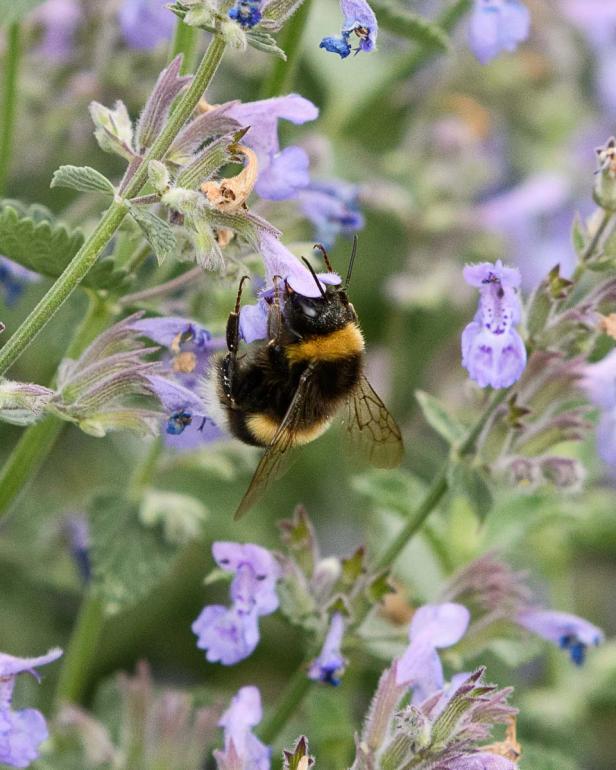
{"type": "Point", "coordinates": [286, 391]}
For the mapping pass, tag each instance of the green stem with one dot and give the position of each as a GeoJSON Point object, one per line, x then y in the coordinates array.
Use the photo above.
{"type": "Point", "coordinates": [9, 100]}
{"type": "Point", "coordinates": [38, 440]}
{"type": "Point", "coordinates": [113, 217]}
{"type": "Point", "coordinates": [78, 657]}
{"type": "Point", "coordinates": [282, 74]}
{"type": "Point", "coordinates": [299, 684]}
{"type": "Point", "coordinates": [606, 218]}
{"type": "Point", "coordinates": [185, 40]}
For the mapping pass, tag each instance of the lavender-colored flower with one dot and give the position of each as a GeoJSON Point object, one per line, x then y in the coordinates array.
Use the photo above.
{"type": "Point", "coordinates": [492, 350]}
{"type": "Point", "coordinates": [281, 174]}
{"type": "Point", "coordinates": [13, 280]}
{"type": "Point", "coordinates": [243, 714]}
{"type": "Point", "coordinates": [333, 208]}
{"type": "Point", "coordinates": [482, 760]}
{"type": "Point", "coordinates": [496, 26]}
{"type": "Point", "coordinates": [247, 13]}
{"type": "Point", "coordinates": [226, 634]}
{"type": "Point", "coordinates": [21, 732]}
{"type": "Point", "coordinates": [145, 23]}
{"type": "Point", "coordinates": [359, 19]}
{"type": "Point", "coordinates": [329, 666]}
{"type": "Point", "coordinates": [433, 626]}
{"type": "Point", "coordinates": [60, 20]}
{"type": "Point", "coordinates": [187, 424]}
{"type": "Point", "coordinates": [568, 631]}
{"type": "Point", "coordinates": [598, 381]}
{"type": "Point", "coordinates": [253, 321]}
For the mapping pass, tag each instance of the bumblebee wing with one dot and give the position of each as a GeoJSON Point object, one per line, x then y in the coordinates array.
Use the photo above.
{"type": "Point", "coordinates": [278, 456]}
{"type": "Point", "coordinates": [370, 429]}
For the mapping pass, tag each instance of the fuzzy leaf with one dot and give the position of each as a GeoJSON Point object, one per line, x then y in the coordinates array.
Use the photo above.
{"type": "Point", "coordinates": [207, 163]}
{"type": "Point", "coordinates": [82, 178]}
{"type": "Point", "coordinates": [277, 12]}
{"type": "Point", "coordinates": [472, 484]}
{"type": "Point", "coordinates": [438, 418]}
{"type": "Point", "coordinates": [14, 10]}
{"type": "Point", "coordinates": [411, 25]}
{"type": "Point", "coordinates": [264, 42]}
{"type": "Point", "coordinates": [157, 232]}
{"type": "Point", "coordinates": [33, 238]}
{"type": "Point", "coordinates": [128, 559]}
{"type": "Point", "coordinates": [579, 235]}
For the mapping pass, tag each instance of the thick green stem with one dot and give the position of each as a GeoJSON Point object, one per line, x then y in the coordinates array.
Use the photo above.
{"type": "Point", "coordinates": [9, 100]}
{"type": "Point", "coordinates": [113, 217]}
{"type": "Point", "coordinates": [185, 41]}
{"type": "Point", "coordinates": [299, 685]}
{"type": "Point", "coordinates": [282, 74]}
{"type": "Point", "coordinates": [75, 669]}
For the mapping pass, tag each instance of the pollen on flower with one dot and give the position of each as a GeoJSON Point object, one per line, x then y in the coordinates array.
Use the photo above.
{"type": "Point", "coordinates": [184, 362]}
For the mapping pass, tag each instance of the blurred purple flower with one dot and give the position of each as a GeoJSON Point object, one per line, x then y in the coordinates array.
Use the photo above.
{"type": "Point", "coordinates": [281, 174]}
{"type": "Point", "coordinates": [145, 23]}
{"type": "Point", "coordinates": [243, 714]}
{"type": "Point", "coordinates": [329, 666]}
{"type": "Point", "coordinates": [231, 634]}
{"type": "Point", "coordinates": [598, 381]}
{"type": "Point", "coordinates": [60, 20]}
{"type": "Point", "coordinates": [568, 631]}
{"type": "Point", "coordinates": [13, 280]}
{"type": "Point", "coordinates": [595, 17]}
{"type": "Point", "coordinates": [359, 19]}
{"type": "Point", "coordinates": [247, 13]}
{"type": "Point", "coordinates": [492, 350]}
{"type": "Point", "coordinates": [482, 760]}
{"type": "Point", "coordinates": [432, 626]}
{"type": "Point", "coordinates": [78, 535]}
{"type": "Point", "coordinates": [497, 26]}
{"type": "Point", "coordinates": [333, 208]}
{"type": "Point", "coordinates": [21, 732]}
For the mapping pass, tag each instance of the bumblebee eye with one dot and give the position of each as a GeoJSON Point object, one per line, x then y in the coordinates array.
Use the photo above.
{"type": "Point", "coordinates": [308, 310]}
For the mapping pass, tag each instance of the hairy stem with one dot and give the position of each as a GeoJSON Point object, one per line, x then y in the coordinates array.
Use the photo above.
{"type": "Point", "coordinates": [9, 100]}
{"type": "Point", "coordinates": [185, 41]}
{"type": "Point", "coordinates": [113, 217]}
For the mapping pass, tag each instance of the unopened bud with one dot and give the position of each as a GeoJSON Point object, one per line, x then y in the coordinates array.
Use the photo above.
{"type": "Point", "coordinates": [605, 183]}
{"type": "Point", "coordinates": [158, 176]}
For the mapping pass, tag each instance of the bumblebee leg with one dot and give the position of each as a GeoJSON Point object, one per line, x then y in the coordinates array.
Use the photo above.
{"type": "Point", "coordinates": [233, 343]}
{"type": "Point", "coordinates": [274, 316]}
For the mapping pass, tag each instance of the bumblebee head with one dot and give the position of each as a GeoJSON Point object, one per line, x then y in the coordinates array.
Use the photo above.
{"type": "Point", "coordinates": [308, 316]}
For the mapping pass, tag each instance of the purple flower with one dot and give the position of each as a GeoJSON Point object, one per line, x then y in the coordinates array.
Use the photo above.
{"type": "Point", "coordinates": [482, 760]}
{"type": "Point", "coordinates": [145, 23]}
{"type": "Point", "coordinates": [13, 280]}
{"type": "Point", "coordinates": [247, 13]}
{"type": "Point", "coordinates": [433, 626]}
{"type": "Point", "coordinates": [187, 424]}
{"type": "Point", "coordinates": [568, 631]}
{"type": "Point", "coordinates": [253, 321]}
{"type": "Point", "coordinates": [359, 19]}
{"type": "Point", "coordinates": [281, 174]}
{"type": "Point", "coordinates": [21, 732]}
{"type": "Point", "coordinates": [492, 350]}
{"type": "Point", "coordinates": [243, 714]}
{"type": "Point", "coordinates": [60, 20]}
{"type": "Point", "coordinates": [599, 383]}
{"type": "Point", "coordinates": [329, 666]}
{"type": "Point", "coordinates": [496, 26]}
{"type": "Point", "coordinates": [333, 208]}
{"type": "Point", "coordinates": [231, 634]}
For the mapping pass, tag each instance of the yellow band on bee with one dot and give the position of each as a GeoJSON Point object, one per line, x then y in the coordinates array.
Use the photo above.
{"type": "Point", "coordinates": [343, 343]}
{"type": "Point", "coordinates": [264, 428]}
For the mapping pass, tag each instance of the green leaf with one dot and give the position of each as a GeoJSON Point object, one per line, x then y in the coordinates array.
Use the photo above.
{"type": "Point", "coordinates": [262, 41]}
{"type": "Point", "coordinates": [33, 238]}
{"type": "Point", "coordinates": [128, 559]}
{"type": "Point", "coordinates": [14, 10]}
{"type": "Point", "coordinates": [438, 418]}
{"type": "Point", "coordinates": [473, 485]}
{"type": "Point", "coordinates": [82, 178]}
{"type": "Point", "coordinates": [405, 23]}
{"type": "Point", "coordinates": [157, 232]}
{"type": "Point", "coordinates": [277, 12]}
{"type": "Point", "coordinates": [579, 235]}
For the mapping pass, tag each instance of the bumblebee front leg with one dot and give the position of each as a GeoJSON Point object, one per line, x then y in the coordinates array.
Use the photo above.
{"type": "Point", "coordinates": [274, 317]}
{"type": "Point", "coordinates": [229, 364]}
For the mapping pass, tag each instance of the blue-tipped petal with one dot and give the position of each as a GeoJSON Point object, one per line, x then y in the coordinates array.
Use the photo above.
{"type": "Point", "coordinates": [339, 45]}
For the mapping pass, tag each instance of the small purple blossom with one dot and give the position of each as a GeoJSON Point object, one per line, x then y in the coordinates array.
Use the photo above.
{"type": "Point", "coordinates": [247, 13]}
{"type": "Point", "coordinates": [497, 26]}
{"type": "Point", "coordinates": [329, 665]}
{"type": "Point", "coordinates": [482, 760]}
{"type": "Point", "coordinates": [226, 634]}
{"type": "Point", "coordinates": [568, 631]}
{"type": "Point", "coordinates": [433, 626]}
{"type": "Point", "coordinates": [60, 20]}
{"type": "Point", "coordinates": [145, 23]}
{"type": "Point", "coordinates": [492, 350]}
{"type": "Point", "coordinates": [13, 280]}
{"type": "Point", "coordinates": [243, 714]}
{"type": "Point", "coordinates": [21, 732]}
{"type": "Point", "coordinates": [333, 209]}
{"type": "Point", "coordinates": [359, 19]}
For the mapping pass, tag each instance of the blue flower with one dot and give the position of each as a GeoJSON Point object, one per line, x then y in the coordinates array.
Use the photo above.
{"type": "Point", "coordinates": [242, 748]}
{"type": "Point", "coordinates": [247, 13]}
{"type": "Point", "coordinates": [21, 732]}
{"type": "Point", "coordinates": [145, 23]}
{"type": "Point", "coordinates": [333, 209]}
{"type": "Point", "coordinates": [568, 631]}
{"type": "Point", "coordinates": [329, 666]}
{"type": "Point", "coordinates": [492, 350]}
{"type": "Point", "coordinates": [432, 626]}
{"type": "Point", "coordinates": [359, 19]}
{"type": "Point", "coordinates": [231, 634]}
{"type": "Point", "coordinates": [496, 26]}
{"type": "Point", "coordinates": [13, 280]}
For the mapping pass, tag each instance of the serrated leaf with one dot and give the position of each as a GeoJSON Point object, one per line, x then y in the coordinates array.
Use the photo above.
{"type": "Point", "coordinates": [32, 237]}
{"type": "Point", "coordinates": [14, 10]}
{"type": "Point", "coordinates": [128, 559]}
{"type": "Point", "coordinates": [157, 232]}
{"type": "Point", "coordinates": [472, 484]}
{"type": "Point", "coordinates": [439, 418]}
{"type": "Point", "coordinates": [83, 179]}
{"type": "Point", "coordinates": [411, 25]}
{"type": "Point", "coordinates": [264, 42]}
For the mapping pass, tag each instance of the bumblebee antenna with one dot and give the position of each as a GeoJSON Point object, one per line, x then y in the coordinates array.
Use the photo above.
{"type": "Point", "coordinates": [321, 248]}
{"type": "Point", "coordinates": [314, 275]}
{"type": "Point", "coordinates": [351, 263]}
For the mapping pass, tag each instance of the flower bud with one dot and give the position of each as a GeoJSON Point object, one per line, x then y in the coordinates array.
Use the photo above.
{"type": "Point", "coordinates": [604, 191]}
{"type": "Point", "coordinates": [233, 35]}
{"type": "Point", "coordinates": [113, 129]}
{"type": "Point", "coordinates": [326, 574]}
{"type": "Point", "coordinates": [158, 176]}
